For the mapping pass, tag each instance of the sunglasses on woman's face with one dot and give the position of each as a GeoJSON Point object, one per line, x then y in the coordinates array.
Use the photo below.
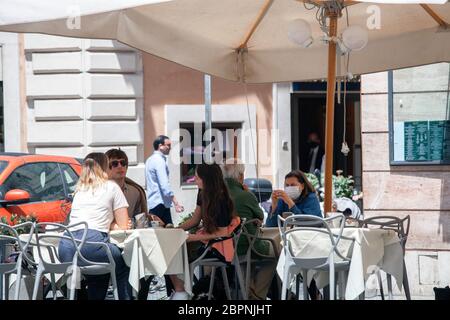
{"type": "Point", "coordinates": [115, 163]}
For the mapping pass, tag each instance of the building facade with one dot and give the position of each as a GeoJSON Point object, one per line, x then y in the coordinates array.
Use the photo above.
{"type": "Point", "coordinates": [67, 96]}
{"type": "Point", "coordinates": [419, 188]}
{"type": "Point", "coordinates": [73, 96]}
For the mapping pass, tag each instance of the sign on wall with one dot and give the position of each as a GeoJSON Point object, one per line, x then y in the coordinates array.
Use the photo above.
{"type": "Point", "coordinates": [426, 140]}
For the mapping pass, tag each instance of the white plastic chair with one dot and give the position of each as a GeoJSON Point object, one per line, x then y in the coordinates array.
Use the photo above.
{"type": "Point", "coordinates": [9, 234]}
{"type": "Point", "coordinates": [47, 248]}
{"type": "Point", "coordinates": [252, 256]}
{"type": "Point", "coordinates": [401, 227]}
{"type": "Point", "coordinates": [332, 262]}
{"type": "Point", "coordinates": [79, 263]}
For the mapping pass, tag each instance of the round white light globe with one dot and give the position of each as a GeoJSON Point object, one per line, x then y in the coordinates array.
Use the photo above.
{"type": "Point", "coordinates": [299, 32]}
{"type": "Point", "coordinates": [355, 38]}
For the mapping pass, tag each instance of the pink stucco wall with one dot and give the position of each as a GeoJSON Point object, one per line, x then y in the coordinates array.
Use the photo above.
{"type": "Point", "coordinates": [169, 83]}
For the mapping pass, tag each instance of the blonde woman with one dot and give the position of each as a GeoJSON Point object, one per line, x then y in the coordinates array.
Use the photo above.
{"type": "Point", "coordinates": [101, 203]}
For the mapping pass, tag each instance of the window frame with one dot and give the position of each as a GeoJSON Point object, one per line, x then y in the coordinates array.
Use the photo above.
{"type": "Point", "coordinates": [393, 162]}
{"type": "Point", "coordinates": [235, 125]}
{"type": "Point", "coordinates": [65, 185]}
{"type": "Point", "coordinates": [5, 163]}
{"type": "Point", "coordinates": [41, 162]}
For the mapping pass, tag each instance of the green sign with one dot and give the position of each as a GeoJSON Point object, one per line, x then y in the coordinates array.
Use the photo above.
{"type": "Point", "coordinates": [427, 140]}
{"type": "Point", "coordinates": [416, 141]}
{"type": "Point", "coordinates": [446, 141]}
{"type": "Point", "coordinates": [436, 139]}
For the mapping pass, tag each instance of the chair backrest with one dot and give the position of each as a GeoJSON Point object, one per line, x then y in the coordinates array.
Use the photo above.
{"type": "Point", "coordinates": [55, 232]}
{"type": "Point", "coordinates": [248, 234]}
{"type": "Point", "coordinates": [399, 225]}
{"type": "Point", "coordinates": [312, 226]}
{"type": "Point", "coordinates": [227, 245]}
{"type": "Point", "coordinates": [10, 234]}
{"type": "Point", "coordinates": [303, 220]}
{"type": "Point", "coordinates": [280, 222]}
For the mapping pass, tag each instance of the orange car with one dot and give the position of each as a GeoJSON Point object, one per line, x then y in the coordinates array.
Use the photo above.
{"type": "Point", "coordinates": [37, 185]}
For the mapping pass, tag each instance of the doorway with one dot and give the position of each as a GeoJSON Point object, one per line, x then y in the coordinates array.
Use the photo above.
{"type": "Point", "coordinates": [308, 114]}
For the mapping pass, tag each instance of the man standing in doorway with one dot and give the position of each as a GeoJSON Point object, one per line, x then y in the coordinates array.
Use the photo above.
{"type": "Point", "coordinates": [315, 153]}
{"type": "Point", "coordinates": [159, 194]}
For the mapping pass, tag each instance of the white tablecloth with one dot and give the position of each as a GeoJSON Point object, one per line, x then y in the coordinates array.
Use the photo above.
{"type": "Point", "coordinates": [154, 251]}
{"type": "Point", "coordinates": [371, 248]}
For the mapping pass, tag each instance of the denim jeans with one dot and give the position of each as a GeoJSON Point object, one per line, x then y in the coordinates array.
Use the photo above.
{"type": "Point", "coordinates": [98, 284]}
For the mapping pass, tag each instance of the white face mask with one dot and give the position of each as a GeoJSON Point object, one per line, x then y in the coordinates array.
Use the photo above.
{"type": "Point", "coordinates": [293, 192]}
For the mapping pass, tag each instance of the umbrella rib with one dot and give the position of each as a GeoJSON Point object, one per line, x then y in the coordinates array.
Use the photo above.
{"type": "Point", "coordinates": [261, 15]}
{"type": "Point", "coordinates": [434, 15]}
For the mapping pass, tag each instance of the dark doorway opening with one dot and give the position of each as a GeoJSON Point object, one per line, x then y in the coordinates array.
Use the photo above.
{"type": "Point", "coordinates": [308, 112]}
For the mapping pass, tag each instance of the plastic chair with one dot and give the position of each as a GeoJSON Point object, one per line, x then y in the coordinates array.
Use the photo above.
{"type": "Point", "coordinates": [401, 227]}
{"type": "Point", "coordinates": [215, 263]}
{"type": "Point", "coordinates": [9, 234]}
{"type": "Point", "coordinates": [58, 232]}
{"type": "Point", "coordinates": [301, 265]}
{"type": "Point", "coordinates": [47, 261]}
{"type": "Point", "coordinates": [252, 256]}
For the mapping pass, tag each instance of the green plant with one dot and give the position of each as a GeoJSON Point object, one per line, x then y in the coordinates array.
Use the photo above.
{"type": "Point", "coordinates": [186, 217]}
{"type": "Point", "coordinates": [15, 219]}
{"type": "Point", "coordinates": [342, 186]}
{"type": "Point", "coordinates": [313, 179]}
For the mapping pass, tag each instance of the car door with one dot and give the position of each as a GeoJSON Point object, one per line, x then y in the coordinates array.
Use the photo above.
{"type": "Point", "coordinates": [43, 181]}
{"type": "Point", "coordinates": [70, 178]}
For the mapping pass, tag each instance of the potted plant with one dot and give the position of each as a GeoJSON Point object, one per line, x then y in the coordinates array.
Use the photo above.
{"type": "Point", "coordinates": [342, 186]}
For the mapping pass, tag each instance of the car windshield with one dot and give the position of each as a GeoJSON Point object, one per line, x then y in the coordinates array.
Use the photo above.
{"type": "Point", "coordinates": [3, 165]}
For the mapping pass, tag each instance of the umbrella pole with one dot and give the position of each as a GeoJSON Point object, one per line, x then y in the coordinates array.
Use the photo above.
{"type": "Point", "coordinates": [208, 122]}
{"type": "Point", "coordinates": [329, 135]}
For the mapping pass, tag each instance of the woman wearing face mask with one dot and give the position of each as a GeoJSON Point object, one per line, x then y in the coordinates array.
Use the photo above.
{"type": "Point", "coordinates": [298, 197]}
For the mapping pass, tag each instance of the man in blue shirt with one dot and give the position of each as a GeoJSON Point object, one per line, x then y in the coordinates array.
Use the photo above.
{"type": "Point", "coordinates": [159, 194]}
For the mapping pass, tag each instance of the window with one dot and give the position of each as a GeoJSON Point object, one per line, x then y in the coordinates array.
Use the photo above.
{"type": "Point", "coordinates": [3, 165]}
{"type": "Point", "coordinates": [69, 176]}
{"type": "Point", "coordinates": [193, 146]}
{"type": "Point", "coordinates": [419, 115]}
{"type": "Point", "coordinates": [41, 180]}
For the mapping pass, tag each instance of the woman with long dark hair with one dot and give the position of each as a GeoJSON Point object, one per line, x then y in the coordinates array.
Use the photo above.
{"type": "Point", "coordinates": [216, 212]}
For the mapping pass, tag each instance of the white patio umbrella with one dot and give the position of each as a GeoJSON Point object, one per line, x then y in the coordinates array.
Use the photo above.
{"type": "Point", "coordinates": [253, 40]}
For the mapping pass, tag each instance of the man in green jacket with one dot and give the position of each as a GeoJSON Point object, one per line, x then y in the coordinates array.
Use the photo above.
{"type": "Point", "coordinates": [247, 206]}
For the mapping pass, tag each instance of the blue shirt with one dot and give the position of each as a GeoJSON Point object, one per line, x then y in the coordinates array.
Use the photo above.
{"type": "Point", "coordinates": [308, 205]}
{"type": "Point", "coordinates": [157, 180]}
